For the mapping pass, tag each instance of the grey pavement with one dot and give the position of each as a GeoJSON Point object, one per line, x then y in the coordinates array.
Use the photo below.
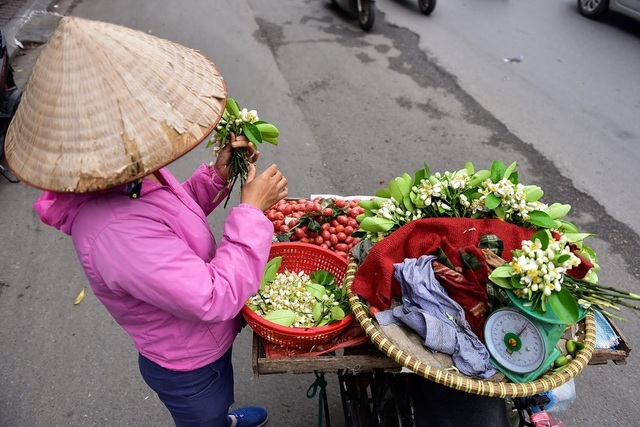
{"type": "Point", "coordinates": [27, 22]}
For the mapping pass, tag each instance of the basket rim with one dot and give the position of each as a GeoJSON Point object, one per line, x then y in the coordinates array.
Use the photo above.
{"type": "Point", "coordinates": [459, 381]}
{"type": "Point", "coordinates": [310, 331]}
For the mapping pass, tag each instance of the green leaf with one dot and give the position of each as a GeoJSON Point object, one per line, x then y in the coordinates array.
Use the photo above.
{"type": "Point", "coordinates": [337, 313]}
{"type": "Point", "coordinates": [577, 237]}
{"type": "Point", "coordinates": [233, 108]}
{"type": "Point", "coordinates": [252, 133]}
{"type": "Point", "coordinates": [470, 169]}
{"type": "Point", "coordinates": [541, 219]}
{"type": "Point", "coordinates": [492, 201]}
{"type": "Point", "coordinates": [399, 188]}
{"type": "Point", "coordinates": [543, 236]}
{"type": "Point", "coordinates": [497, 171]}
{"type": "Point", "coordinates": [316, 311]}
{"type": "Point", "coordinates": [314, 225]}
{"type": "Point", "coordinates": [324, 321]}
{"type": "Point", "coordinates": [383, 193]}
{"type": "Point", "coordinates": [323, 277]}
{"type": "Point", "coordinates": [376, 225]}
{"type": "Point", "coordinates": [420, 175]}
{"type": "Point", "coordinates": [267, 130]}
{"type": "Point", "coordinates": [283, 317]}
{"type": "Point", "coordinates": [380, 201]}
{"type": "Point", "coordinates": [565, 306]}
{"type": "Point", "coordinates": [558, 210]}
{"type": "Point", "coordinates": [567, 226]}
{"type": "Point", "coordinates": [270, 271]}
{"type": "Point", "coordinates": [367, 204]}
{"type": "Point", "coordinates": [318, 291]}
{"type": "Point", "coordinates": [562, 258]}
{"type": "Point", "coordinates": [505, 270]}
{"type": "Point", "coordinates": [533, 193]}
{"type": "Point", "coordinates": [479, 178]}
{"type": "Point", "coordinates": [408, 204]}
{"type": "Point", "coordinates": [509, 170]}
{"type": "Point", "coordinates": [502, 282]}
{"type": "Point", "coordinates": [272, 141]}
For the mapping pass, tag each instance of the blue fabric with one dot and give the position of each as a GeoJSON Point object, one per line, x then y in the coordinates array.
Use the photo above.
{"type": "Point", "coordinates": [197, 398]}
{"type": "Point", "coordinates": [439, 320]}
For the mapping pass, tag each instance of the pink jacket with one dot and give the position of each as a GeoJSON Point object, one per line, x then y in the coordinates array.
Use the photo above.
{"type": "Point", "coordinates": [156, 267]}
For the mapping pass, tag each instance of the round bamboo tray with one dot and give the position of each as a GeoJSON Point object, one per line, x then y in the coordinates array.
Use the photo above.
{"type": "Point", "coordinates": [461, 382]}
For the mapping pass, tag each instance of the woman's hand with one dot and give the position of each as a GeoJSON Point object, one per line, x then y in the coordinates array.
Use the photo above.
{"type": "Point", "coordinates": [224, 155]}
{"type": "Point", "coordinates": [264, 190]}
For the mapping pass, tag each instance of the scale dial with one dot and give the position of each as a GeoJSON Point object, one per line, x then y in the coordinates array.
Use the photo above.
{"type": "Point", "coordinates": [515, 341]}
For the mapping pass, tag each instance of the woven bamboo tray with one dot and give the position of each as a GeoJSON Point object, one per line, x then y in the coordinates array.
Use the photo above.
{"type": "Point", "coordinates": [461, 382]}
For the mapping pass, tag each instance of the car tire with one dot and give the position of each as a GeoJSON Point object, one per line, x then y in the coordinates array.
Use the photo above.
{"type": "Point", "coordinates": [593, 9]}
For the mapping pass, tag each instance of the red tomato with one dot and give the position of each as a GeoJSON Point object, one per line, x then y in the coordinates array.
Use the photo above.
{"type": "Point", "coordinates": [279, 216]}
{"type": "Point", "coordinates": [342, 219]}
{"type": "Point", "coordinates": [348, 230]}
{"type": "Point", "coordinates": [317, 207]}
{"type": "Point", "coordinates": [271, 215]}
{"type": "Point", "coordinates": [339, 228]}
{"type": "Point", "coordinates": [319, 240]}
{"type": "Point", "coordinates": [342, 236]}
{"type": "Point", "coordinates": [333, 239]}
{"type": "Point", "coordinates": [327, 212]}
{"type": "Point", "coordinates": [348, 240]}
{"type": "Point", "coordinates": [341, 203]}
{"type": "Point", "coordinates": [284, 228]}
{"type": "Point", "coordinates": [299, 232]}
{"type": "Point", "coordinates": [292, 223]}
{"type": "Point", "coordinates": [325, 226]}
{"type": "Point", "coordinates": [325, 234]}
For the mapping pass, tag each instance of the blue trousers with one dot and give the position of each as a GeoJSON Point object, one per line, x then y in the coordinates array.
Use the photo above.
{"type": "Point", "coordinates": [197, 398]}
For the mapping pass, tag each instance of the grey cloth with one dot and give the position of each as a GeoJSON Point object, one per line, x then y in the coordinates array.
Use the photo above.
{"type": "Point", "coordinates": [439, 320]}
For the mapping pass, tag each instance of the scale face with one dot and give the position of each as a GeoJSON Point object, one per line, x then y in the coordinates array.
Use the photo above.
{"type": "Point", "coordinates": [520, 346]}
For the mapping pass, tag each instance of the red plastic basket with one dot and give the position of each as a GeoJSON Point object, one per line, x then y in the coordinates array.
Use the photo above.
{"type": "Point", "coordinates": [298, 257]}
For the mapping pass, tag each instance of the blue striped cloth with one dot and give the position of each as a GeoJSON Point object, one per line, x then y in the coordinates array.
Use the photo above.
{"type": "Point", "coordinates": [439, 320]}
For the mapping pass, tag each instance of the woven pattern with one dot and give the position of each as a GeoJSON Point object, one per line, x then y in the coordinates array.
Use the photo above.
{"type": "Point", "coordinates": [105, 105]}
{"type": "Point", "coordinates": [461, 382]}
{"type": "Point", "coordinates": [298, 257]}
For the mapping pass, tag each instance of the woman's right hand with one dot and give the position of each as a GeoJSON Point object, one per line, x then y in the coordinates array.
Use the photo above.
{"type": "Point", "coordinates": [264, 190]}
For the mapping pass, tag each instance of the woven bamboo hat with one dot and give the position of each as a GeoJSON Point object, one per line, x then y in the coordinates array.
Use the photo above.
{"type": "Point", "coordinates": [105, 105]}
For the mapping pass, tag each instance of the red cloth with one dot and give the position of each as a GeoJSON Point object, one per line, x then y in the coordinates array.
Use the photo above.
{"type": "Point", "coordinates": [374, 278]}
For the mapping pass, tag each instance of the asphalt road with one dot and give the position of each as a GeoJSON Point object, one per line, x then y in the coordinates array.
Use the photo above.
{"type": "Point", "coordinates": [354, 109]}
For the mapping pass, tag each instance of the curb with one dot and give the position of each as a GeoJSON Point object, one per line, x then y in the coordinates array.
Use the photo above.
{"type": "Point", "coordinates": [10, 31]}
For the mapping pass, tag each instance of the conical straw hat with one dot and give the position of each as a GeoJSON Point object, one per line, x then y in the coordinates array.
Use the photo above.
{"type": "Point", "coordinates": [105, 105]}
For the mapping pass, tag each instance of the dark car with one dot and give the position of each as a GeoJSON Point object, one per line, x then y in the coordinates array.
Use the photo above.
{"type": "Point", "coordinates": [597, 8]}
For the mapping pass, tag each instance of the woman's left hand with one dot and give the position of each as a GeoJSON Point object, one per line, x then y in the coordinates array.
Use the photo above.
{"type": "Point", "coordinates": [224, 155]}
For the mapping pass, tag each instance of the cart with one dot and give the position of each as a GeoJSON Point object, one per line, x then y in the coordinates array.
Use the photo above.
{"type": "Point", "coordinates": [371, 392]}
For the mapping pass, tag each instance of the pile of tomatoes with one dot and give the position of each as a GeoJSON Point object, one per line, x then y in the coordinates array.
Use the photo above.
{"type": "Point", "coordinates": [326, 222]}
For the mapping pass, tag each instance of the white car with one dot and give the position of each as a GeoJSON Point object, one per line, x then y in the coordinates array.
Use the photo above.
{"type": "Point", "coordinates": [596, 8]}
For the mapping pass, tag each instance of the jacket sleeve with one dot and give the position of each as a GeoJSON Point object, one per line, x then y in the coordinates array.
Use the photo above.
{"type": "Point", "coordinates": [147, 260]}
{"type": "Point", "coordinates": [206, 188]}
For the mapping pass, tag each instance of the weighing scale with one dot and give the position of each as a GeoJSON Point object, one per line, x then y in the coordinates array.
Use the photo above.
{"type": "Point", "coordinates": [522, 342]}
